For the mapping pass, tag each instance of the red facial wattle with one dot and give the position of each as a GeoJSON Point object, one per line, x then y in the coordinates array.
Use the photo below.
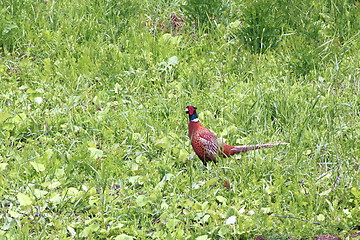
{"type": "Point", "coordinates": [190, 110]}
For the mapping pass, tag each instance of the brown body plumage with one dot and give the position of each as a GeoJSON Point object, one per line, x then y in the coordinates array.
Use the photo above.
{"type": "Point", "coordinates": [207, 146]}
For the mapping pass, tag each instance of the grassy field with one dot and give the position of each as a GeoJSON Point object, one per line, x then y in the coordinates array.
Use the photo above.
{"type": "Point", "coordinates": [93, 133]}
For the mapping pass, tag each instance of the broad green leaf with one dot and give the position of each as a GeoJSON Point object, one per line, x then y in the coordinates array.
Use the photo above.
{"type": "Point", "coordinates": [118, 88]}
{"type": "Point", "coordinates": [160, 186]}
{"type": "Point", "coordinates": [270, 189]}
{"type": "Point", "coordinates": [223, 230]}
{"type": "Point", "coordinates": [202, 237]}
{"type": "Point", "coordinates": [164, 205]}
{"type": "Point", "coordinates": [141, 159]}
{"type": "Point", "coordinates": [242, 210]}
{"type": "Point", "coordinates": [173, 135]}
{"type": "Point", "coordinates": [124, 237]}
{"type": "Point", "coordinates": [320, 217]}
{"type": "Point", "coordinates": [24, 199]}
{"type": "Point", "coordinates": [307, 152]}
{"type": "Point", "coordinates": [8, 27]}
{"type": "Point", "coordinates": [73, 192]}
{"type": "Point", "coordinates": [172, 223]}
{"type": "Point", "coordinates": [3, 166]}
{"type": "Point", "coordinates": [40, 193]}
{"type": "Point", "coordinates": [23, 87]}
{"type": "Point", "coordinates": [173, 60]}
{"type": "Point", "coordinates": [8, 126]}
{"type": "Point", "coordinates": [230, 212]}
{"type": "Point", "coordinates": [93, 200]}
{"type": "Point", "coordinates": [183, 155]}
{"type": "Point", "coordinates": [165, 38]}
{"type": "Point", "coordinates": [19, 118]}
{"type": "Point", "coordinates": [30, 91]}
{"type": "Point", "coordinates": [251, 212]}
{"type": "Point", "coordinates": [189, 203]}
{"type": "Point", "coordinates": [231, 220]}
{"type": "Point", "coordinates": [55, 198]}
{"type": "Point", "coordinates": [48, 153]}
{"type": "Point", "coordinates": [134, 179]}
{"type": "Point", "coordinates": [163, 143]}
{"type": "Point", "coordinates": [176, 40]}
{"type": "Point", "coordinates": [96, 153]}
{"type": "Point", "coordinates": [59, 173]}
{"type": "Point", "coordinates": [266, 210]}
{"type": "Point", "coordinates": [212, 181]}
{"type": "Point", "coordinates": [51, 185]}
{"type": "Point", "coordinates": [235, 25]}
{"type": "Point", "coordinates": [142, 200]}
{"type": "Point", "coordinates": [221, 199]}
{"type": "Point", "coordinates": [205, 206]}
{"type": "Point", "coordinates": [38, 166]}
{"type": "Point", "coordinates": [356, 192]}
{"type": "Point", "coordinates": [91, 144]}
{"type": "Point", "coordinates": [136, 136]}
{"type": "Point", "coordinates": [168, 177]}
{"type": "Point", "coordinates": [38, 100]}
{"type": "Point", "coordinates": [71, 231]}
{"type": "Point", "coordinates": [4, 116]}
{"type": "Point", "coordinates": [134, 167]}
{"type": "Point", "coordinates": [179, 234]}
{"type": "Point", "coordinates": [347, 212]}
{"type": "Point", "coordinates": [197, 206]}
{"type": "Point", "coordinates": [14, 214]}
{"type": "Point", "coordinates": [93, 191]}
{"type": "Point", "coordinates": [205, 218]}
{"type": "Point", "coordinates": [89, 230]}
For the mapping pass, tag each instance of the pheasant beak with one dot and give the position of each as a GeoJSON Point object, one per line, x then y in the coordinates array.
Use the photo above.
{"type": "Point", "coordinates": [186, 110]}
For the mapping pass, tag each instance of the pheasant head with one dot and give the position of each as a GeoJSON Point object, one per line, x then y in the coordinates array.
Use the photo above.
{"type": "Point", "coordinates": [191, 110]}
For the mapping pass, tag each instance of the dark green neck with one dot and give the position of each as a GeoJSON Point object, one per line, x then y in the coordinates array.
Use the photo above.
{"type": "Point", "coordinates": [194, 117]}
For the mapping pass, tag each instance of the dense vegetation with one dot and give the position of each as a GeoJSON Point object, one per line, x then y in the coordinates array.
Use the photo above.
{"type": "Point", "coordinates": [93, 133]}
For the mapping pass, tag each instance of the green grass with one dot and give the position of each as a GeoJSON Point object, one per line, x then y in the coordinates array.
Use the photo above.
{"type": "Point", "coordinates": [93, 133]}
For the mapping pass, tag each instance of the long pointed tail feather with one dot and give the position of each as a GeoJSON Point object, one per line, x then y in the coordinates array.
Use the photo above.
{"type": "Point", "coordinates": [245, 148]}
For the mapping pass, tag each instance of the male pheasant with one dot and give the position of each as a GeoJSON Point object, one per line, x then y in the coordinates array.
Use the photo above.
{"type": "Point", "coordinates": [207, 146]}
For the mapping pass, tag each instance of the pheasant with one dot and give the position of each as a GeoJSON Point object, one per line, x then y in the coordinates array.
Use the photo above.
{"type": "Point", "coordinates": [207, 146]}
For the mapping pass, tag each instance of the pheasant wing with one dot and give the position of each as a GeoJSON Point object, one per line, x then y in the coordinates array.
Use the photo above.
{"type": "Point", "coordinates": [210, 146]}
